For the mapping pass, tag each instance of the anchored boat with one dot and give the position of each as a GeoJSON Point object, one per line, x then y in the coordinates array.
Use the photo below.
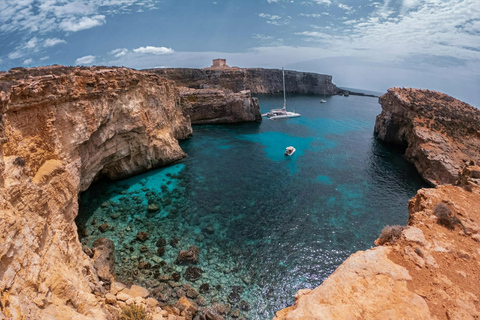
{"type": "Point", "coordinates": [281, 113]}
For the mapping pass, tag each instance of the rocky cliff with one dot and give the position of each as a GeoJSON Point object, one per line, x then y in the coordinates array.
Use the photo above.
{"type": "Point", "coordinates": [439, 132]}
{"type": "Point", "coordinates": [256, 80]}
{"type": "Point", "coordinates": [213, 106]}
{"type": "Point", "coordinates": [60, 128]}
{"type": "Point", "coordinates": [428, 269]}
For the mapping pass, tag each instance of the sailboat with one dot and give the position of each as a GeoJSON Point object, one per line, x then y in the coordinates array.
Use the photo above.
{"type": "Point", "coordinates": [281, 113]}
{"type": "Point", "coordinates": [323, 99]}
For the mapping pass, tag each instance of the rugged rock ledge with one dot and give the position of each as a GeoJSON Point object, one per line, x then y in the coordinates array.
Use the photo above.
{"type": "Point", "coordinates": [60, 128]}
{"type": "Point", "coordinates": [256, 80]}
{"type": "Point", "coordinates": [441, 133]}
{"type": "Point", "coordinates": [213, 106]}
{"type": "Point", "coordinates": [429, 269]}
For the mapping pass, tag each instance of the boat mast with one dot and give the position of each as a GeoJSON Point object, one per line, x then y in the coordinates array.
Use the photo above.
{"type": "Point", "coordinates": [284, 94]}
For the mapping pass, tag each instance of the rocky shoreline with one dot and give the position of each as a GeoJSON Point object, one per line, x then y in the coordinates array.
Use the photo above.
{"type": "Point", "coordinates": [429, 268]}
{"type": "Point", "coordinates": [61, 128]}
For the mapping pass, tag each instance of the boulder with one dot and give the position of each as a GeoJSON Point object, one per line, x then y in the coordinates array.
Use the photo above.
{"type": "Point", "coordinates": [142, 236]}
{"type": "Point", "coordinates": [104, 258]}
{"type": "Point", "coordinates": [193, 273]}
{"type": "Point", "coordinates": [188, 256]}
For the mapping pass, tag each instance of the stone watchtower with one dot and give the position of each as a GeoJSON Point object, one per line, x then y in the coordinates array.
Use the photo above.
{"type": "Point", "coordinates": [219, 63]}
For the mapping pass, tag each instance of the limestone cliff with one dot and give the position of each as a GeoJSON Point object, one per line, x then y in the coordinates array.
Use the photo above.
{"type": "Point", "coordinates": [428, 269]}
{"type": "Point", "coordinates": [212, 106]}
{"type": "Point", "coordinates": [256, 80]}
{"type": "Point", "coordinates": [430, 272]}
{"type": "Point", "coordinates": [441, 133]}
{"type": "Point", "coordinates": [60, 128]}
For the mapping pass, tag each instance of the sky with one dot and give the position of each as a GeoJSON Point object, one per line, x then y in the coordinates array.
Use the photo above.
{"type": "Point", "coordinates": [366, 44]}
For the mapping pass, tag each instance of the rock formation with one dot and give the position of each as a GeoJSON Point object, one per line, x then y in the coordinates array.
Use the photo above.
{"type": "Point", "coordinates": [256, 80]}
{"type": "Point", "coordinates": [431, 270]}
{"type": "Point", "coordinates": [440, 133]}
{"type": "Point", "coordinates": [214, 106]}
{"type": "Point", "coordinates": [61, 128]}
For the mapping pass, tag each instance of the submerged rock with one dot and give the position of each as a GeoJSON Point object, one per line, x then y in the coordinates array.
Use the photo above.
{"type": "Point", "coordinates": [104, 227]}
{"type": "Point", "coordinates": [204, 287]}
{"type": "Point", "coordinates": [142, 236]}
{"type": "Point", "coordinates": [161, 251]}
{"type": "Point", "coordinates": [153, 208]}
{"type": "Point", "coordinates": [174, 241]}
{"type": "Point", "coordinates": [193, 273]}
{"type": "Point", "coordinates": [161, 242]}
{"type": "Point", "coordinates": [188, 256]}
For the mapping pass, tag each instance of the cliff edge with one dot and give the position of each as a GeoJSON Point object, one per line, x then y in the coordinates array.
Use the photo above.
{"type": "Point", "coordinates": [440, 133]}
{"type": "Point", "coordinates": [257, 80]}
{"type": "Point", "coordinates": [428, 269]}
{"type": "Point", "coordinates": [60, 128]}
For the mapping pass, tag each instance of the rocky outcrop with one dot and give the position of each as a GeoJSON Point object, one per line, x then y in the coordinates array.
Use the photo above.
{"type": "Point", "coordinates": [214, 106]}
{"type": "Point", "coordinates": [439, 132]}
{"type": "Point", "coordinates": [60, 129]}
{"type": "Point", "coordinates": [431, 272]}
{"type": "Point", "coordinates": [256, 80]}
{"type": "Point", "coordinates": [428, 269]}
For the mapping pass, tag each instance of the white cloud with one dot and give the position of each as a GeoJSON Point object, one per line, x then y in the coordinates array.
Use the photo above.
{"type": "Point", "coordinates": [52, 42]}
{"type": "Point", "coordinates": [314, 15]}
{"type": "Point", "coordinates": [32, 43]}
{"type": "Point", "coordinates": [154, 50]}
{"type": "Point", "coordinates": [272, 1]}
{"type": "Point", "coordinates": [25, 49]}
{"type": "Point", "coordinates": [344, 7]}
{"type": "Point", "coordinates": [267, 40]}
{"type": "Point", "coordinates": [119, 52]}
{"type": "Point", "coordinates": [35, 16]}
{"type": "Point", "coordinates": [85, 60]}
{"type": "Point", "coordinates": [44, 58]}
{"type": "Point", "coordinates": [83, 23]}
{"type": "Point", "coordinates": [28, 61]}
{"type": "Point", "coordinates": [433, 28]}
{"type": "Point", "coordinates": [274, 19]}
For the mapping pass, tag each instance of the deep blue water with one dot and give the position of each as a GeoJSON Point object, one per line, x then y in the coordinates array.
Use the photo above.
{"type": "Point", "coordinates": [277, 224]}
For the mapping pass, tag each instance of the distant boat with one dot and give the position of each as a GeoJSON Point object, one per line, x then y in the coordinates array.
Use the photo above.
{"type": "Point", "coordinates": [281, 113]}
{"type": "Point", "coordinates": [289, 151]}
{"type": "Point", "coordinates": [323, 99]}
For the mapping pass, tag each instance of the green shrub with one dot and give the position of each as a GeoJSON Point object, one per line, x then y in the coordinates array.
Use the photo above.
{"type": "Point", "coordinates": [134, 312]}
{"type": "Point", "coordinates": [390, 235]}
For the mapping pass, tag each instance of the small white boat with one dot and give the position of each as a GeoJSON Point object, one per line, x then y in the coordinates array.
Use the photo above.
{"type": "Point", "coordinates": [289, 151]}
{"type": "Point", "coordinates": [323, 101]}
{"type": "Point", "coordinates": [281, 113]}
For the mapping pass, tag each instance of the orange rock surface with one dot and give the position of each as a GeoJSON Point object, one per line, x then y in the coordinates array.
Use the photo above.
{"type": "Point", "coordinates": [61, 128]}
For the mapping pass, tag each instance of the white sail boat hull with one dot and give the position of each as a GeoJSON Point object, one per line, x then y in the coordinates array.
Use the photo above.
{"type": "Point", "coordinates": [281, 113]}
{"type": "Point", "coordinates": [287, 114]}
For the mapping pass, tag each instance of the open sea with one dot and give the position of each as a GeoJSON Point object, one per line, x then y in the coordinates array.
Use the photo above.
{"type": "Point", "coordinates": [266, 225]}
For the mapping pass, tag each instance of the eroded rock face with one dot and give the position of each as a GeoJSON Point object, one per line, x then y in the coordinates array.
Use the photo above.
{"type": "Point", "coordinates": [60, 128]}
{"type": "Point", "coordinates": [441, 133]}
{"type": "Point", "coordinates": [213, 106]}
{"type": "Point", "coordinates": [256, 80]}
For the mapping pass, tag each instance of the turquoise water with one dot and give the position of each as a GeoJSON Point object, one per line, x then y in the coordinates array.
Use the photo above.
{"type": "Point", "coordinates": [266, 225]}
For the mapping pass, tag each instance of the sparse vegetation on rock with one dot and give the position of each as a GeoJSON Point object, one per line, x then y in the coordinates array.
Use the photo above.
{"type": "Point", "coordinates": [134, 312]}
{"type": "Point", "coordinates": [389, 235]}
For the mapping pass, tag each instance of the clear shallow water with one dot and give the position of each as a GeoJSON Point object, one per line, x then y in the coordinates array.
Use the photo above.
{"type": "Point", "coordinates": [265, 223]}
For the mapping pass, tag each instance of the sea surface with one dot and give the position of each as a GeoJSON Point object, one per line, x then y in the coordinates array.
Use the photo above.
{"type": "Point", "coordinates": [266, 225]}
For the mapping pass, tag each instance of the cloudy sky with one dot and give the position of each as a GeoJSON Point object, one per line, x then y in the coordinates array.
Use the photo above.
{"type": "Point", "coordinates": [369, 44]}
